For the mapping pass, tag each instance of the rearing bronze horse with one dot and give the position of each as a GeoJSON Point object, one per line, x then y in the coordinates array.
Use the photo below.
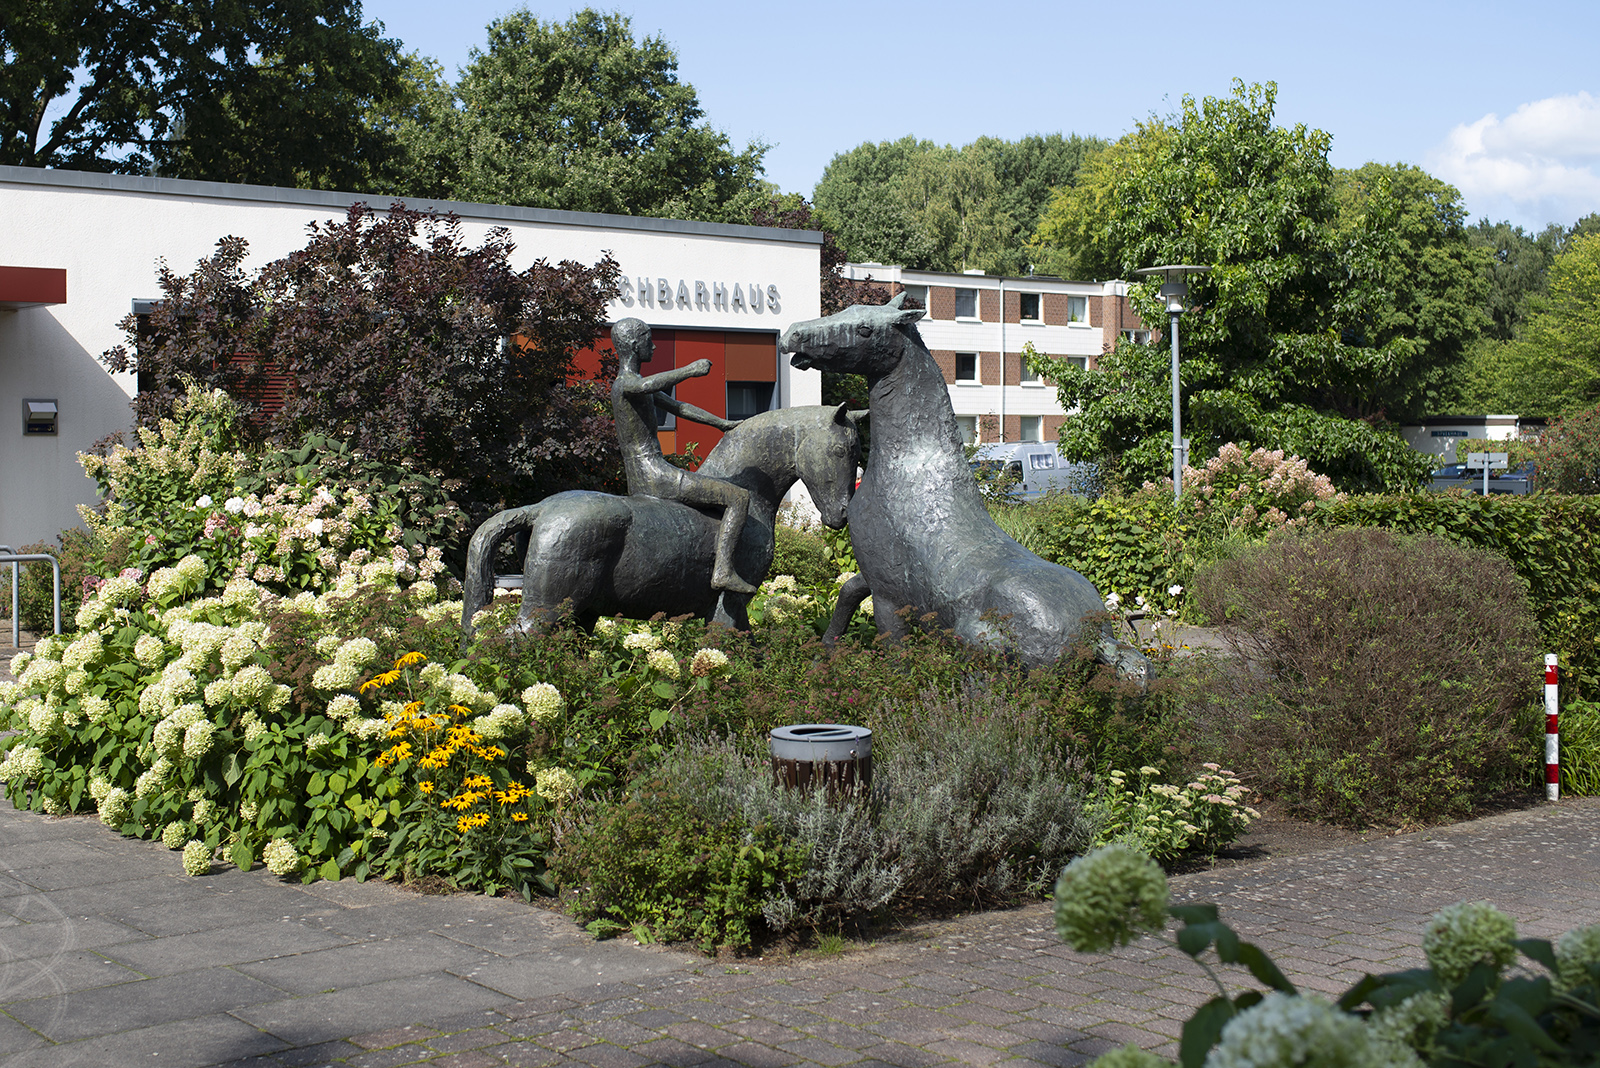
{"type": "Point", "coordinates": [921, 533]}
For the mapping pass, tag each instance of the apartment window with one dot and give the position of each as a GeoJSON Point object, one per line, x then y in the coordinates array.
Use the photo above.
{"type": "Point", "coordinates": [917, 295]}
{"type": "Point", "coordinates": [966, 367]}
{"type": "Point", "coordinates": [1032, 428]}
{"type": "Point", "coordinates": [1078, 310]}
{"type": "Point", "coordinates": [968, 425]}
{"type": "Point", "coordinates": [1080, 362]}
{"type": "Point", "coordinates": [1030, 307]}
{"type": "Point", "coordinates": [1138, 337]}
{"type": "Point", "coordinates": [1029, 376]}
{"type": "Point", "coordinates": [748, 398]}
{"type": "Point", "coordinates": [966, 304]}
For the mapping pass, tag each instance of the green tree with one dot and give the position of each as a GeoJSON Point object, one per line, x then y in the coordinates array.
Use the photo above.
{"type": "Point", "coordinates": [576, 116]}
{"type": "Point", "coordinates": [1552, 366]}
{"type": "Point", "coordinates": [275, 93]}
{"type": "Point", "coordinates": [1517, 265]}
{"type": "Point", "coordinates": [1302, 335]}
{"type": "Point", "coordinates": [387, 332]}
{"type": "Point", "coordinates": [924, 206]}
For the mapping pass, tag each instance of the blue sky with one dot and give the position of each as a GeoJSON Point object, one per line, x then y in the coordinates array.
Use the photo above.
{"type": "Point", "coordinates": [1500, 99]}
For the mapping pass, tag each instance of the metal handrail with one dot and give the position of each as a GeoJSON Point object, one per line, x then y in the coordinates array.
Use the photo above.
{"type": "Point", "coordinates": [15, 559]}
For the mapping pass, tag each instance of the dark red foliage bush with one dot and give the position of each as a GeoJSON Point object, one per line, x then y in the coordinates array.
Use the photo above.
{"type": "Point", "coordinates": [1379, 678]}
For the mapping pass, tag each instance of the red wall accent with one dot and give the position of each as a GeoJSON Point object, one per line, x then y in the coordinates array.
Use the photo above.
{"type": "Point", "coordinates": [709, 392]}
{"type": "Point", "coordinates": [24, 286]}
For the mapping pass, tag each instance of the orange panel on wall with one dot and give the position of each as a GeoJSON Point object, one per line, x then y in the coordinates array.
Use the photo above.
{"type": "Point", "coordinates": [709, 392]}
{"type": "Point", "coordinates": [752, 357]}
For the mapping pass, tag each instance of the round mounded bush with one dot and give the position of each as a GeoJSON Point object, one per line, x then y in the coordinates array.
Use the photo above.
{"type": "Point", "coordinates": [1379, 678]}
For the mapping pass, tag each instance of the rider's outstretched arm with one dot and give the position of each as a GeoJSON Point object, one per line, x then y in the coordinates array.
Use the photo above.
{"type": "Point", "coordinates": [685, 410]}
{"type": "Point", "coordinates": [665, 380]}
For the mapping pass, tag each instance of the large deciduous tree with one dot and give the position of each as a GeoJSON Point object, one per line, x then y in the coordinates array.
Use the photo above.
{"type": "Point", "coordinates": [931, 207]}
{"type": "Point", "coordinates": [1322, 320]}
{"type": "Point", "coordinates": [388, 332]}
{"type": "Point", "coordinates": [271, 93]}
{"type": "Point", "coordinates": [578, 116]}
{"type": "Point", "coordinates": [1552, 366]}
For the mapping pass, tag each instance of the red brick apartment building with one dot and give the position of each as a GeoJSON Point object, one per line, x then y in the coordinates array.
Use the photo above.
{"type": "Point", "coordinates": [977, 325]}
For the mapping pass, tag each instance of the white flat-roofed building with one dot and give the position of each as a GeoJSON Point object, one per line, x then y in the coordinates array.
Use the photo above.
{"type": "Point", "coordinates": [80, 251]}
{"type": "Point", "coordinates": [978, 324]}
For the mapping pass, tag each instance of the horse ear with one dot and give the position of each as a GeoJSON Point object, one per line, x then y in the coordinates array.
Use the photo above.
{"type": "Point", "coordinates": [858, 414]}
{"type": "Point", "coordinates": [841, 415]}
{"type": "Point", "coordinates": [909, 315]}
{"type": "Point", "coordinates": [896, 301]}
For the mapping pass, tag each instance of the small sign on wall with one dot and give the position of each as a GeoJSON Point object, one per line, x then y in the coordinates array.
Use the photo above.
{"type": "Point", "coordinates": [38, 417]}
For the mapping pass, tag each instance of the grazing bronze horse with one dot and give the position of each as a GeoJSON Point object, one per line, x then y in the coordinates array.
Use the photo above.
{"type": "Point", "coordinates": [636, 556]}
{"type": "Point", "coordinates": [921, 533]}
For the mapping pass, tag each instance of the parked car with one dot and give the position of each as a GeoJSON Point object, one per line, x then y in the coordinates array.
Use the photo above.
{"type": "Point", "coordinates": [1037, 468]}
{"type": "Point", "coordinates": [1453, 471]}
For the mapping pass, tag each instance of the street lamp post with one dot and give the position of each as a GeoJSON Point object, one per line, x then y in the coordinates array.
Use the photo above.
{"type": "Point", "coordinates": [1174, 290]}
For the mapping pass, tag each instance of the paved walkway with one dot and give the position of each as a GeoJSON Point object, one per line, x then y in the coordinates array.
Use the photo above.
{"type": "Point", "coordinates": [110, 956]}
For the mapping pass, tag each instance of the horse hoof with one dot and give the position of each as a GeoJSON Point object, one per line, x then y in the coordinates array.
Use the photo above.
{"type": "Point", "coordinates": [733, 584]}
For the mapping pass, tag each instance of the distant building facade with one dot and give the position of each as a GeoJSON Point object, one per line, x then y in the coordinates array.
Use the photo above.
{"type": "Point", "coordinates": [978, 324]}
{"type": "Point", "coordinates": [1437, 436]}
{"type": "Point", "coordinates": [81, 251]}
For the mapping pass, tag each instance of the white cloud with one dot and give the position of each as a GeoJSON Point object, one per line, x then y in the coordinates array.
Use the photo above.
{"type": "Point", "coordinates": [1539, 164]}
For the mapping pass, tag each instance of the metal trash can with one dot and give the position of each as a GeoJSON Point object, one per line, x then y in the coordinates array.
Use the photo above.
{"type": "Point", "coordinates": [836, 755]}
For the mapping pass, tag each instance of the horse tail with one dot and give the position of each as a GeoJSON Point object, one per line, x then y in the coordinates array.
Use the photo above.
{"type": "Point", "coordinates": [477, 587]}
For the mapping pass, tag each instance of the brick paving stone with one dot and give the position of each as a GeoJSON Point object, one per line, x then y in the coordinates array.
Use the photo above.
{"type": "Point", "coordinates": [902, 1055]}
{"type": "Point", "coordinates": [475, 1058]}
{"type": "Point", "coordinates": [607, 1055]}
{"type": "Point", "coordinates": [565, 1040]}
{"type": "Point", "coordinates": [817, 1051]}
{"type": "Point", "coordinates": [698, 1034]}
{"type": "Point", "coordinates": [528, 1055]}
{"type": "Point", "coordinates": [393, 1037]}
{"type": "Point", "coordinates": [476, 1038]}
{"type": "Point", "coordinates": [967, 1052]}
{"type": "Point", "coordinates": [759, 1055]}
{"type": "Point", "coordinates": [389, 1058]}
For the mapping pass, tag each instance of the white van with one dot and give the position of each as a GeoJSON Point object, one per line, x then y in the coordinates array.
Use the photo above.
{"type": "Point", "coordinates": [1038, 468]}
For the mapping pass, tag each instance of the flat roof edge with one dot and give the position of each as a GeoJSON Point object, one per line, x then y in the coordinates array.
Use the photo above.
{"type": "Point", "coordinates": [321, 198]}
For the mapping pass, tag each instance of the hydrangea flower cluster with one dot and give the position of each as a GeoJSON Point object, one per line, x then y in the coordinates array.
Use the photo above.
{"type": "Point", "coordinates": [197, 858]}
{"type": "Point", "coordinates": [1108, 897]}
{"type": "Point", "coordinates": [1167, 821]}
{"type": "Point", "coordinates": [1467, 934]}
{"type": "Point", "coordinates": [1259, 492]}
{"type": "Point", "coordinates": [1285, 1029]}
{"type": "Point", "coordinates": [281, 857]}
{"type": "Point", "coordinates": [782, 600]}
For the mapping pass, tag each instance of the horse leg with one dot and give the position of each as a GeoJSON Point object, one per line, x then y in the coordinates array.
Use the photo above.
{"type": "Point", "coordinates": [477, 590]}
{"type": "Point", "coordinates": [732, 610]}
{"type": "Point", "coordinates": [851, 594]}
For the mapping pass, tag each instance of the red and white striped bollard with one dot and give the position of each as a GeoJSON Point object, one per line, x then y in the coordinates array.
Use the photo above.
{"type": "Point", "coordinates": [1552, 734]}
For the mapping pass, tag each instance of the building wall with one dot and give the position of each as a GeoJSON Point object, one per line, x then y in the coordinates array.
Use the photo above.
{"type": "Point", "coordinates": [109, 232]}
{"type": "Point", "coordinates": [999, 399]}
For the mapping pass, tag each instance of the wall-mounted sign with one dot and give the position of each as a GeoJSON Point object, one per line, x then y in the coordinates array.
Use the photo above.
{"type": "Point", "coordinates": [1449, 433]}
{"type": "Point", "coordinates": [718, 296]}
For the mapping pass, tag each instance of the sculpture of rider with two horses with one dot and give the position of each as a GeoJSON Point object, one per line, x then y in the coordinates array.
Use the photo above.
{"type": "Point", "coordinates": [700, 543]}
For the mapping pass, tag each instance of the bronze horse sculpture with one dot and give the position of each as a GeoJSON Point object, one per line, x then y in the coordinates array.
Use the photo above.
{"type": "Point", "coordinates": [637, 556]}
{"type": "Point", "coordinates": [918, 525]}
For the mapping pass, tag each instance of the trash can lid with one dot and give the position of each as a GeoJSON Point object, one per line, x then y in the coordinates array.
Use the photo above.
{"type": "Point", "coordinates": [821, 741]}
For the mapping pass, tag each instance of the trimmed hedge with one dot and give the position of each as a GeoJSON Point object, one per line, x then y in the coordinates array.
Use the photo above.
{"type": "Point", "coordinates": [1552, 541]}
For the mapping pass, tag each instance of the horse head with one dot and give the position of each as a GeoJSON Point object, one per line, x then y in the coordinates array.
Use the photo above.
{"type": "Point", "coordinates": [867, 339]}
{"type": "Point", "coordinates": [827, 458]}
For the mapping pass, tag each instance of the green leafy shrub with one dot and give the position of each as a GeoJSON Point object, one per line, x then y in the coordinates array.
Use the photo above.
{"type": "Point", "coordinates": [1463, 1009]}
{"type": "Point", "coordinates": [1165, 821]}
{"type": "Point", "coordinates": [1580, 748]}
{"type": "Point", "coordinates": [82, 563]}
{"type": "Point", "coordinates": [1552, 540]}
{"type": "Point", "coordinates": [1568, 454]}
{"type": "Point", "coordinates": [972, 803]}
{"type": "Point", "coordinates": [803, 554]}
{"type": "Point", "coordinates": [1380, 678]}
{"type": "Point", "coordinates": [654, 861]}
